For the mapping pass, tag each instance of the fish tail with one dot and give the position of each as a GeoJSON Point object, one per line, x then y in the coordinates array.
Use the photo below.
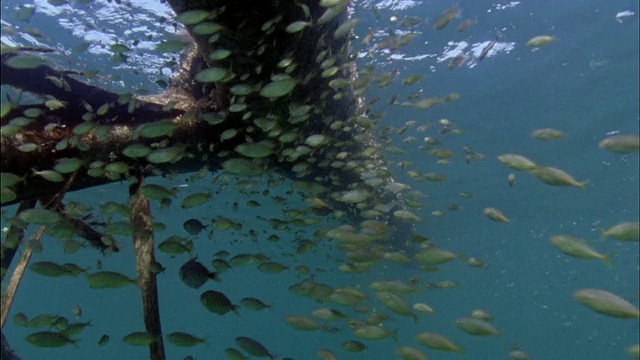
{"type": "Point", "coordinates": [603, 234]}
{"type": "Point", "coordinates": [213, 276]}
{"type": "Point", "coordinates": [582, 184]}
{"type": "Point", "coordinates": [606, 259]}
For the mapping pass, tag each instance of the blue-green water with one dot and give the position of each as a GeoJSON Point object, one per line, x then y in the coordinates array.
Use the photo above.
{"type": "Point", "coordinates": [584, 83]}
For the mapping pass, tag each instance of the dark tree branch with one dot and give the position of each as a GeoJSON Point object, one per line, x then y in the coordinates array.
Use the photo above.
{"type": "Point", "coordinates": [37, 81]}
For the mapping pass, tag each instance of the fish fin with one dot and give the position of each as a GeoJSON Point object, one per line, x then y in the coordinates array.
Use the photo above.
{"type": "Point", "coordinates": [606, 259]}
{"type": "Point", "coordinates": [137, 283]}
{"type": "Point", "coordinates": [603, 234]}
{"type": "Point", "coordinates": [582, 184]}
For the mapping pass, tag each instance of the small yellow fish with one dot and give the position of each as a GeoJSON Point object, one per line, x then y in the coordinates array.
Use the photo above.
{"type": "Point", "coordinates": [476, 326]}
{"type": "Point", "coordinates": [447, 15]}
{"type": "Point", "coordinates": [396, 303]}
{"type": "Point", "coordinates": [606, 303]}
{"type": "Point", "coordinates": [481, 314]}
{"type": "Point", "coordinates": [518, 355]}
{"type": "Point", "coordinates": [621, 144]}
{"type": "Point", "coordinates": [495, 215]}
{"type": "Point", "coordinates": [517, 162]}
{"type": "Point", "coordinates": [547, 134]}
{"type": "Point", "coordinates": [408, 352]}
{"type": "Point", "coordinates": [374, 332]}
{"type": "Point", "coordinates": [578, 248]}
{"type": "Point", "coordinates": [556, 177]}
{"type": "Point", "coordinates": [457, 61]}
{"type": "Point", "coordinates": [474, 262]}
{"type": "Point", "coordinates": [437, 342]}
{"type": "Point", "coordinates": [464, 25]}
{"type": "Point", "coordinates": [423, 308]}
{"type": "Point", "coordinates": [624, 231]}
{"type": "Point", "coordinates": [302, 322]}
{"type": "Point", "coordinates": [539, 41]}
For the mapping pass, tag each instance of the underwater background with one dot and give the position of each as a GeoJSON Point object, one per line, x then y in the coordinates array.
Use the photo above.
{"type": "Point", "coordinates": [584, 83]}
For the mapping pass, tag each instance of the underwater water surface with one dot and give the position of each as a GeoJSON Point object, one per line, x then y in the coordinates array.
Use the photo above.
{"type": "Point", "coordinates": [583, 83]}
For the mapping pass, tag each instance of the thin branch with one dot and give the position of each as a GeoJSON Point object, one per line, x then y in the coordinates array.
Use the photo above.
{"type": "Point", "coordinates": [75, 93]}
{"type": "Point", "coordinates": [14, 282]}
{"type": "Point", "coordinates": [143, 243]}
{"type": "Point", "coordinates": [30, 48]}
{"type": "Point", "coordinates": [7, 298]}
